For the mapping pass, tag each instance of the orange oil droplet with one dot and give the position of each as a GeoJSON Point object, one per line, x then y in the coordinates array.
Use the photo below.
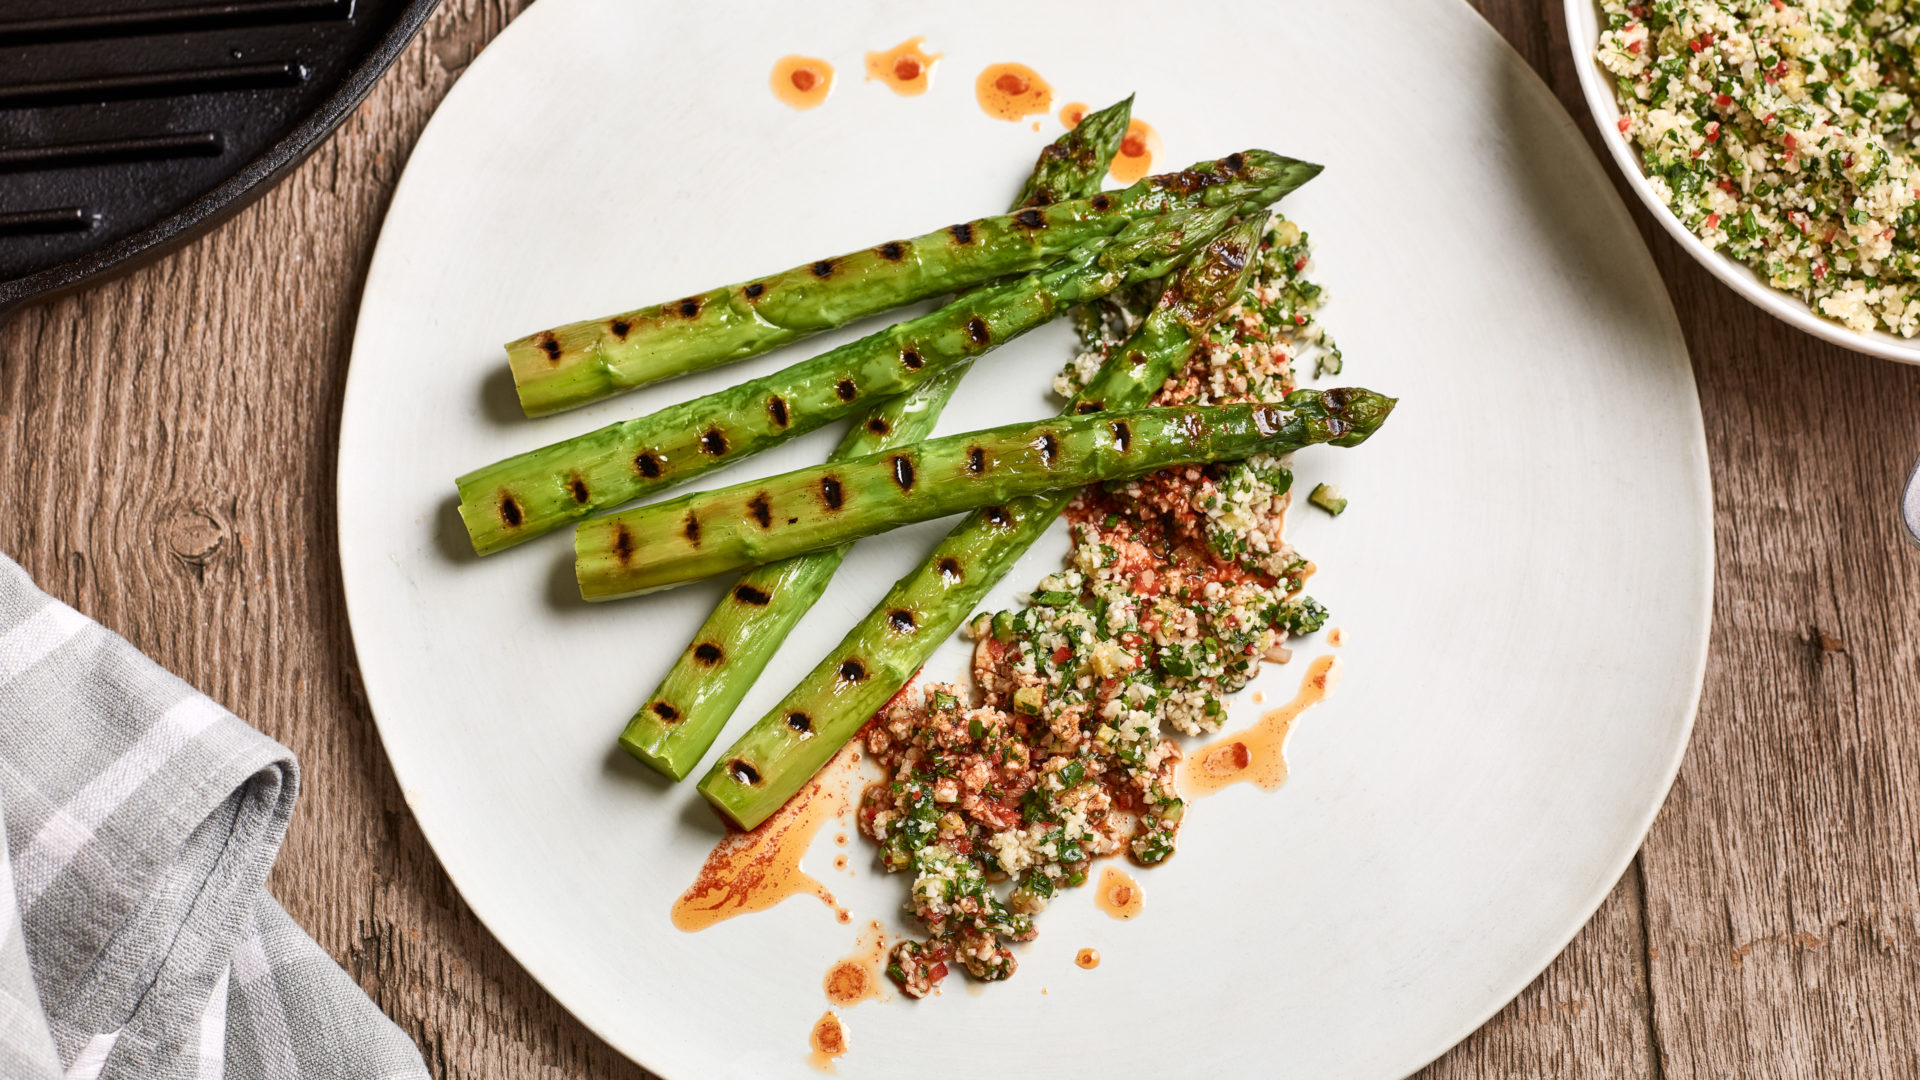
{"type": "Point", "coordinates": [1138, 149]}
{"type": "Point", "coordinates": [1258, 754]}
{"type": "Point", "coordinates": [1117, 894]}
{"type": "Point", "coordinates": [1012, 91]}
{"type": "Point", "coordinates": [907, 69]}
{"type": "Point", "coordinates": [1087, 958]}
{"type": "Point", "coordinates": [754, 870]}
{"type": "Point", "coordinates": [1072, 113]}
{"type": "Point", "coordinates": [1336, 637]}
{"type": "Point", "coordinates": [801, 81]}
{"type": "Point", "coordinates": [856, 977]}
{"type": "Point", "coordinates": [828, 1041]}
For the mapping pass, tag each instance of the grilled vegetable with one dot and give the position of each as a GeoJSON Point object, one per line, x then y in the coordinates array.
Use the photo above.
{"type": "Point", "coordinates": [877, 657]}
{"type": "Point", "coordinates": [535, 492]}
{"type": "Point", "coordinates": [586, 361]}
{"type": "Point", "coordinates": [685, 713]}
{"type": "Point", "coordinates": [761, 521]}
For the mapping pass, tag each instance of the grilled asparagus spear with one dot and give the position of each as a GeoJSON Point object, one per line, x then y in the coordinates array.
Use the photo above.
{"type": "Point", "coordinates": [586, 361]}
{"type": "Point", "coordinates": [716, 532]}
{"type": "Point", "coordinates": [535, 492]}
{"type": "Point", "coordinates": [684, 714]}
{"type": "Point", "coordinates": [788, 745]}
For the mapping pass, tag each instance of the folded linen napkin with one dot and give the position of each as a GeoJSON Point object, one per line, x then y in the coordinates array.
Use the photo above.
{"type": "Point", "coordinates": [137, 938]}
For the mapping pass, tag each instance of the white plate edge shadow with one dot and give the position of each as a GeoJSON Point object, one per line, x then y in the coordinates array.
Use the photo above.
{"type": "Point", "coordinates": [1701, 604]}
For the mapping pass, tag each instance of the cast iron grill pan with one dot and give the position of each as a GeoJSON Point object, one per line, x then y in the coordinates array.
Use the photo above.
{"type": "Point", "coordinates": [129, 126]}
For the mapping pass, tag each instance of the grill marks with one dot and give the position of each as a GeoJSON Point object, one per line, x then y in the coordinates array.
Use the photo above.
{"type": "Point", "coordinates": [976, 460]}
{"type": "Point", "coordinates": [823, 269]}
{"type": "Point", "coordinates": [692, 530]}
{"type": "Point", "coordinates": [998, 516]}
{"type": "Point", "coordinates": [747, 594]}
{"type": "Point", "coordinates": [1122, 435]}
{"type": "Point", "coordinates": [550, 345]}
{"type": "Point", "coordinates": [743, 772]}
{"type": "Point", "coordinates": [777, 410]}
{"type": "Point", "coordinates": [879, 426]}
{"type": "Point", "coordinates": [578, 489]}
{"type": "Point", "coordinates": [903, 472]}
{"type": "Point", "coordinates": [830, 493]}
{"type": "Point", "coordinates": [621, 328]}
{"type": "Point", "coordinates": [962, 233]}
{"type": "Point", "coordinates": [1030, 218]}
{"type": "Point", "coordinates": [623, 543]}
{"type": "Point", "coordinates": [708, 654]}
{"type": "Point", "coordinates": [800, 722]}
{"type": "Point", "coordinates": [648, 464]}
{"type": "Point", "coordinates": [714, 441]}
{"type": "Point", "coordinates": [1101, 202]}
{"type": "Point", "coordinates": [753, 291]}
{"type": "Point", "coordinates": [977, 330]}
{"type": "Point", "coordinates": [1049, 448]}
{"type": "Point", "coordinates": [852, 670]}
{"type": "Point", "coordinates": [910, 360]}
{"type": "Point", "coordinates": [667, 713]}
{"type": "Point", "coordinates": [846, 390]}
{"type": "Point", "coordinates": [689, 307]}
{"type": "Point", "coordinates": [1086, 407]}
{"type": "Point", "coordinates": [950, 570]}
{"type": "Point", "coordinates": [902, 620]}
{"type": "Point", "coordinates": [892, 251]}
{"type": "Point", "coordinates": [762, 510]}
{"type": "Point", "coordinates": [510, 512]}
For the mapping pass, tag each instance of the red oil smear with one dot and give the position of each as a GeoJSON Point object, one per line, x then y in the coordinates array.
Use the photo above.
{"type": "Point", "coordinates": [1117, 894]}
{"type": "Point", "coordinates": [1258, 754]}
{"type": "Point", "coordinates": [1087, 958]}
{"type": "Point", "coordinates": [828, 1040]}
{"type": "Point", "coordinates": [1336, 637]}
{"type": "Point", "coordinates": [1012, 92]}
{"type": "Point", "coordinates": [754, 870]}
{"type": "Point", "coordinates": [801, 81]}
{"type": "Point", "coordinates": [1138, 149]}
{"type": "Point", "coordinates": [907, 69]}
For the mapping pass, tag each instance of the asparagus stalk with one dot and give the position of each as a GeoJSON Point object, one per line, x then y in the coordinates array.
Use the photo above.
{"type": "Point", "coordinates": [788, 745]}
{"type": "Point", "coordinates": [535, 492]}
{"type": "Point", "coordinates": [686, 712]}
{"type": "Point", "coordinates": [582, 362]}
{"type": "Point", "coordinates": [761, 521]}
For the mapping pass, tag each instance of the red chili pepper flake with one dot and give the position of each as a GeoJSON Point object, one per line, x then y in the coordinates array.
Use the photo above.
{"type": "Point", "coordinates": [1062, 654]}
{"type": "Point", "coordinates": [1300, 264]}
{"type": "Point", "coordinates": [1695, 45]}
{"type": "Point", "coordinates": [1724, 101]}
{"type": "Point", "coordinates": [1634, 45]}
{"type": "Point", "coordinates": [937, 972]}
{"type": "Point", "coordinates": [1713, 221]}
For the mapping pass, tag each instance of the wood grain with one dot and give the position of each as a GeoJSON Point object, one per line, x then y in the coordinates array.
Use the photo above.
{"type": "Point", "coordinates": [167, 443]}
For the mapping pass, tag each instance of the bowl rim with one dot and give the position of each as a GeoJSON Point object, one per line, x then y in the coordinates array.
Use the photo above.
{"type": "Point", "coordinates": [1583, 36]}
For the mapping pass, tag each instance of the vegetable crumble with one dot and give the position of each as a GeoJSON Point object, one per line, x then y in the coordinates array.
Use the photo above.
{"type": "Point", "coordinates": [1781, 132]}
{"type": "Point", "coordinates": [1177, 587]}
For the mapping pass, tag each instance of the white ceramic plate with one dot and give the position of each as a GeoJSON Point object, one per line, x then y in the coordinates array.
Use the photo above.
{"type": "Point", "coordinates": [1523, 574]}
{"type": "Point", "coordinates": [1583, 33]}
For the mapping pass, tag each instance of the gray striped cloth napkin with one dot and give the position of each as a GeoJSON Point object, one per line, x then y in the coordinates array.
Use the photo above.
{"type": "Point", "coordinates": [137, 938]}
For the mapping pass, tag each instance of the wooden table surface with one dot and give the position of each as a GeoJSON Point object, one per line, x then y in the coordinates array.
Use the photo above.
{"type": "Point", "coordinates": [167, 447]}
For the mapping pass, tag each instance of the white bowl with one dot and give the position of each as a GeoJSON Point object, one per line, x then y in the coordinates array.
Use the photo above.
{"type": "Point", "coordinates": [1583, 33]}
